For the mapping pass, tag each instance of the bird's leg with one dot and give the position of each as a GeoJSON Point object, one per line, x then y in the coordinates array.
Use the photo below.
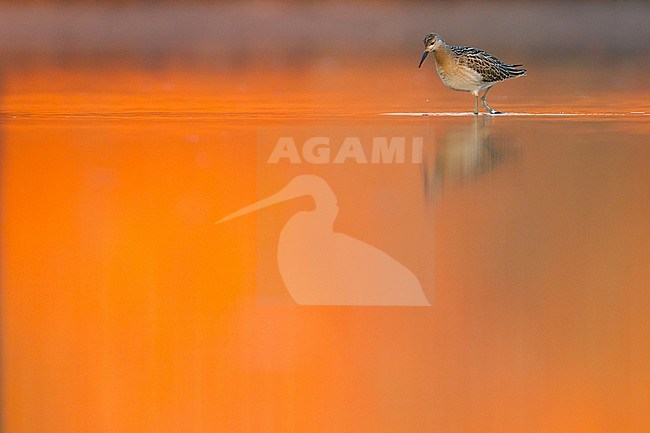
{"type": "Point", "coordinates": [485, 104]}
{"type": "Point", "coordinates": [476, 104]}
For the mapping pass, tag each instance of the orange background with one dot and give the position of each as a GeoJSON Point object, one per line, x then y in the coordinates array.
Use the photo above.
{"type": "Point", "coordinates": [125, 308]}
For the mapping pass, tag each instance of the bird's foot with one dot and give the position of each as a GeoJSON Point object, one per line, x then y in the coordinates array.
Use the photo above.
{"type": "Point", "coordinates": [493, 111]}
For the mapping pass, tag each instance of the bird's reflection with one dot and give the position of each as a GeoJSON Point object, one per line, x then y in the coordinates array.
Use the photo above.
{"type": "Point", "coordinates": [465, 155]}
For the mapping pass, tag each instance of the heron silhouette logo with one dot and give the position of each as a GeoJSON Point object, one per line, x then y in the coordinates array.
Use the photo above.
{"type": "Point", "coordinates": [322, 267]}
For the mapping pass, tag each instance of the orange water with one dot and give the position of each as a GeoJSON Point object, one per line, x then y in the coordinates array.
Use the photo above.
{"type": "Point", "coordinates": [126, 309]}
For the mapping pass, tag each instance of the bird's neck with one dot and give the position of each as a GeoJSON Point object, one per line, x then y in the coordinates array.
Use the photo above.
{"type": "Point", "coordinates": [443, 56]}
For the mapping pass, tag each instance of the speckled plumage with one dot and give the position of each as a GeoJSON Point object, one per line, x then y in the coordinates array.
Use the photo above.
{"type": "Point", "coordinates": [489, 67]}
{"type": "Point", "coordinates": [468, 69]}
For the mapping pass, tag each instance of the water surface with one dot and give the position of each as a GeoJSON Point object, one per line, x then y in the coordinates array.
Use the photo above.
{"type": "Point", "coordinates": [126, 308]}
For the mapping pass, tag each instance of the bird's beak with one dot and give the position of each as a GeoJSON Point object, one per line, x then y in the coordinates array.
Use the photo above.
{"type": "Point", "coordinates": [284, 194]}
{"type": "Point", "coordinates": [424, 56]}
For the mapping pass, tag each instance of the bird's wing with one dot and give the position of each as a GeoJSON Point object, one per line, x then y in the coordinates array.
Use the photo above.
{"type": "Point", "coordinates": [490, 68]}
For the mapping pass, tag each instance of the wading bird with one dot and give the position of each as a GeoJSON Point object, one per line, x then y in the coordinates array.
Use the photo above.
{"type": "Point", "coordinates": [322, 267]}
{"type": "Point", "coordinates": [468, 69]}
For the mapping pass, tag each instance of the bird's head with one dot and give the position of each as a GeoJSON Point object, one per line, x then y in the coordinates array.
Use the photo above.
{"type": "Point", "coordinates": [431, 43]}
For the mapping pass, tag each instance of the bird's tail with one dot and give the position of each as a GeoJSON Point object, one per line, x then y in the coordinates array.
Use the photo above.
{"type": "Point", "coordinates": [514, 70]}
